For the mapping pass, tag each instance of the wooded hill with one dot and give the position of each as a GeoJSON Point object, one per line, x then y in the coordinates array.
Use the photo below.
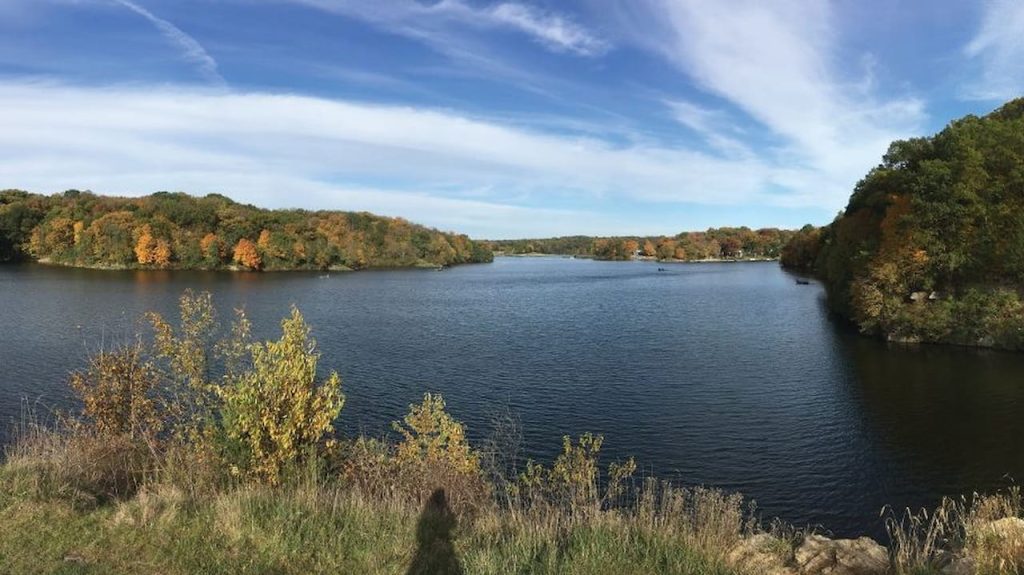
{"type": "Point", "coordinates": [931, 245]}
{"type": "Point", "coordinates": [715, 243]}
{"type": "Point", "coordinates": [176, 230]}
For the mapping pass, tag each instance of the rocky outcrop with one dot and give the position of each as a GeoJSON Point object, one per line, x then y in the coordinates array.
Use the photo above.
{"type": "Point", "coordinates": [762, 554]}
{"type": "Point", "coordinates": [824, 556]}
{"type": "Point", "coordinates": [816, 555]}
{"type": "Point", "coordinates": [991, 547]}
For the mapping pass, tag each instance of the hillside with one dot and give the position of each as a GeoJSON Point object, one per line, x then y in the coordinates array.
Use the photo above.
{"type": "Point", "coordinates": [175, 230]}
{"type": "Point", "coordinates": [930, 247]}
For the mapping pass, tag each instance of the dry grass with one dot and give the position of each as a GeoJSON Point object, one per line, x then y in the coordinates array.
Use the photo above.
{"type": "Point", "coordinates": [77, 464]}
{"type": "Point", "coordinates": [927, 541]}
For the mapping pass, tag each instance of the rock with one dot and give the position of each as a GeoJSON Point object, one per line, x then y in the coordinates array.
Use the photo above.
{"type": "Point", "coordinates": [960, 566]}
{"type": "Point", "coordinates": [759, 554]}
{"type": "Point", "coordinates": [819, 555]}
{"type": "Point", "coordinates": [1008, 530]}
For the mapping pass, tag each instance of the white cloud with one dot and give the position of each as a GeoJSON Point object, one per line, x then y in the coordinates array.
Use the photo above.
{"type": "Point", "coordinates": [440, 24]}
{"type": "Point", "coordinates": [999, 47]}
{"type": "Point", "coordinates": [713, 125]}
{"type": "Point", "coordinates": [553, 30]}
{"type": "Point", "coordinates": [437, 167]}
{"type": "Point", "coordinates": [191, 49]}
{"type": "Point", "coordinates": [776, 62]}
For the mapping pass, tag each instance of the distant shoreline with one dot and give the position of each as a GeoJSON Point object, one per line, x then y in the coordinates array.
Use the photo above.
{"type": "Point", "coordinates": [230, 268]}
{"type": "Point", "coordinates": [637, 259]}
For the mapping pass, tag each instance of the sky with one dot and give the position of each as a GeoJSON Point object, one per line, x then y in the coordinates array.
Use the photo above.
{"type": "Point", "coordinates": [500, 119]}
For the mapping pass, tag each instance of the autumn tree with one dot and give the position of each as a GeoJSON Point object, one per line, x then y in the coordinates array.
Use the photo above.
{"type": "Point", "coordinates": [247, 255]}
{"type": "Point", "coordinates": [666, 249]}
{"type": "Point", "coordinates": [145, 246]}
{"type": "Point", "coordinates": [210, 247]}
{"type": "Point", "coordinates": [263, 242]}
{"type": "Point", "coordinates": [162, 253]}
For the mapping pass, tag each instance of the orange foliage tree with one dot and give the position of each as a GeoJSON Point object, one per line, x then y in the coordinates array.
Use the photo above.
{"type": "Point", "coordinates": [145, 246]}
{"type": "Point", "coordinates": [162, 253]}
{"type": "Point", "coordinates": [247, 255]}
{"type": "Point", "coordinates": [210, 246]}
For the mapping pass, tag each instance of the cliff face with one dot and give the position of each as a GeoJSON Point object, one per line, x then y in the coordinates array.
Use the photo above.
{"type": "Point", "coordinates": [931, 245]}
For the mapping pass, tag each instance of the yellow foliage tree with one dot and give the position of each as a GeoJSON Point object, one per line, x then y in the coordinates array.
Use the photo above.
{"type": "Point", "coordinates": [430, 434]}
{"type": "Point", "coordinates": [247, 255]}
{"type": "Point", "coordinates": [264, 240]}
{"type": "Point", "coordinates": [649, 250]}
{"type": "Point", "coordinates": [145, 246]}
{"type": "Point", "coordinates": [162, 253]}
{"type": "Point", "coordinates": [210, 247]}
{"type": "Point", "coordinates": [277, 410]}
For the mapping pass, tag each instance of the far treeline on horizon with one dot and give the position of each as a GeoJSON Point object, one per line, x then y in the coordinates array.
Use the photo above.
{"type": "Point", "coordinates": [179, 231]}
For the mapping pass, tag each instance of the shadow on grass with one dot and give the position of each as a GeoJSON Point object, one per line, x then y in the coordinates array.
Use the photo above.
{"type": "Point", "coordinates": [435, 554]}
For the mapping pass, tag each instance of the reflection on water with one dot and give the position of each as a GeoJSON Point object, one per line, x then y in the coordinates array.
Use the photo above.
{"type": "Point", "coordinates": [726, 374]}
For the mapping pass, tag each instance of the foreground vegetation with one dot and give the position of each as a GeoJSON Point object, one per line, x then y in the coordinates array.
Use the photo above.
{"type": "Point", "coordinates": [199, 450]}
{"type": "Point", "coordinates": [931, 245]}
{"type": "Point", "coordinates": [715, 243]}
{"type": "Point", "coordinates": [168, 230]}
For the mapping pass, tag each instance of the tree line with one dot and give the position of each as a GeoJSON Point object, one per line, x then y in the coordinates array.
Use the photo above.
{"type": "Point", "coordinates": [930, 246]}
{"type": "Point", "coordinates": [715, 243]}
{"type": "Point", "coordinates": [176, 230]}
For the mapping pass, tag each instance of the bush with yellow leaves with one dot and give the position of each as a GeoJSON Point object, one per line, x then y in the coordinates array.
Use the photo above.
{"type": "Point", "coordinates": [118, 393]}
{"type": "Point", "coordinates": [431, 435]}
{"type": "Point", "coordinates": [573, 481]}
{"type": "Point", "coordinates": [277, 411]}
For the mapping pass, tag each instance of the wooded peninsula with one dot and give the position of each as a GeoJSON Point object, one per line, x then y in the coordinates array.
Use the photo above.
{"type": "Point", "coordinates": [179, 231]}
{"type": "Point", "coordinates": [930, 247]}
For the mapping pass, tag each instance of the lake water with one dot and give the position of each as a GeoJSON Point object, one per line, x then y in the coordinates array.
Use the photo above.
{"type": "Point", "coordinates": [728, 375]}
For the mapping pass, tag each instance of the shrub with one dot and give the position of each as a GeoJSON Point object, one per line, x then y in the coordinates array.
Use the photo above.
{"type": "Point", "coordinates": [431, 435]}
{"type": "Point", "coordinates": [573, 481]}
{"type": "Point", "coordinates": [187, 354]}
{"type": "Point", "coordinates": [278, 411]}
{"type": "Point", "coordinates": [117, 390]}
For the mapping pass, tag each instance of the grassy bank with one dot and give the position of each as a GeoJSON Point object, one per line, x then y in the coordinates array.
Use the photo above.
{"type": "Point", "coordinates": [322, 529]}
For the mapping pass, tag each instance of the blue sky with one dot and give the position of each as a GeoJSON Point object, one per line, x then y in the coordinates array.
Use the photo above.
{"type": "Point", "coordinates": [517, 118]}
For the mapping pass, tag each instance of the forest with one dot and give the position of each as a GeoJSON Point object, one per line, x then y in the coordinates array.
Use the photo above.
{"type": "Point", "coordinates": [715, 243]}
{"type": "Point", "coordinates": [930, 247]}
{"type": "Point", "coordinates": [178, 231]}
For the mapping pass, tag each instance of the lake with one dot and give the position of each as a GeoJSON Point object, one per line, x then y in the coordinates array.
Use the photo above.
{"type": "Point", "coordinates": [727, 375]}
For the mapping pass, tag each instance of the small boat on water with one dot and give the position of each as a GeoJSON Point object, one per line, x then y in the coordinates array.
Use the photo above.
{"type": "Point", "coordinates": [662, 270]}
{"type": "Point", "coordinates": [802, 282]}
